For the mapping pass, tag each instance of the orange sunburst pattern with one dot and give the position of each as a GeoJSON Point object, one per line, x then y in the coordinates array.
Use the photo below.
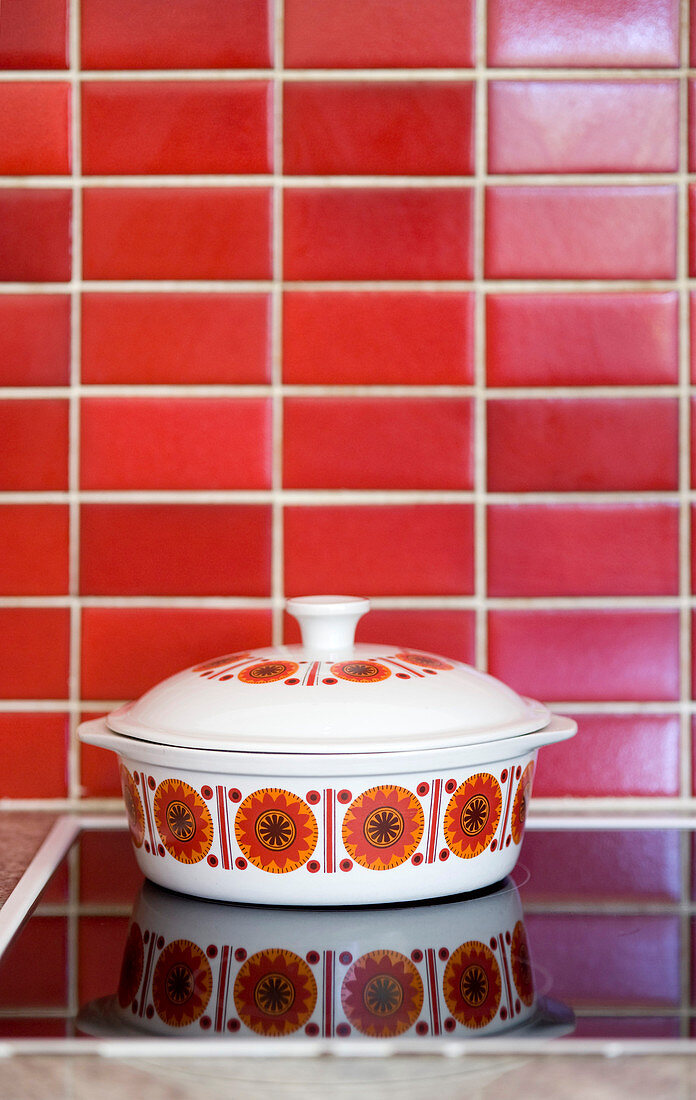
{"type": "Point", "coordinates": [183, 821]}
{"type": "Point", "coordinates": [382, 994]}
{"type": "Point", "coordinates": [134, 806]}
{"type": "Point", "coordinates": [182, 983]}
{"type": "Point", "coordinates": [519, 806]}
{"type": "Point", "coordinates": [360, 672]}
{"type": "Point", "coordinates": [267, 672]}
{"type": "Point", "coordinates": [424, 660]}
{"type": "Point", "coordinates": [131, 966]}
{"type": "Point", "coordinates": [275, 992]}
{"type": "Point", "coordinates": [383, 827]}
{"type": "Point", "coordinates": [521, 965]}
{"type": "Point", "coordinates": [276, 830]}
{"type": "Point", "coordinates": [472, 984]}
{"type": "Point", "coordinates": [472, 816]}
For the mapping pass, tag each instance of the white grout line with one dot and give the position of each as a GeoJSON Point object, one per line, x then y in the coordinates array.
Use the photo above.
{"type": "Point", "coordinates": [338, 391]}
{"type": "Point", "coordinates": [277, 530]}
{"type": "Point", "coordinates": [393, 181]}
{"type": "Point", "coordinates": [416, 75]}
{"type": "Point", "coordinates": [479, 410]}
{"type": "Point", "coordinates": [75, 660]}
{"type": "Point", "coordinates": [429, 286]}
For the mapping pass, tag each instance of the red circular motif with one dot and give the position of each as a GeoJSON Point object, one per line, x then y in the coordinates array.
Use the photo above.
{"type": "Point", "coordinates": [183, 821]}
{"type": "Point", "coordinates": [218, 662]}
{"type": "Point", "coordinates": [361, 672]}
{"type": "Point", "coordinates": [182, 983]}
{"type": "Point", "coordinates": [382, 994]}
{"type": "Point", "coordinates": [276, 830]}
{"type": "Point", "coordinates": [424, 660]}
{"type": "Point", "coordinates": [275, 992]}
{"type": "Point", "coordinates": [472, 984]}
{"type": "Point", "coordinates": [383, 827]}
{"type": "Point", "coordinates": [521, 964]}
{"type": "Point", "coordinates": [267, 672]}
{"type": "Point", "coordinates": [519, 806]}
{"type": "Point", "coordinates": [134, 806]}
{"type": "Point", "coordinates": [131, 966]}
{"type": "Point", "coordinates": [472, 815]}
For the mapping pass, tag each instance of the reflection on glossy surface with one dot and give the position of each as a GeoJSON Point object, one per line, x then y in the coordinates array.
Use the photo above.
{"type": "Point", "coordinates": [197, 968]}
{"type": "Point", "coordinates": [606, 925]}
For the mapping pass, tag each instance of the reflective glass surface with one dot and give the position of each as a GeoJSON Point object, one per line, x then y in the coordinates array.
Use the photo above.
{"type": "Point", "coordinates": [590, 937]}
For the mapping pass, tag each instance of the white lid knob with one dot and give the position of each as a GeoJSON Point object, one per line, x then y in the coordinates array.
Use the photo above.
{"type": "Point", "coordinates": [327, 622]}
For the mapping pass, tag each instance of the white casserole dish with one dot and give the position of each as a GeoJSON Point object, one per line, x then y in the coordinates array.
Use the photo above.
{"type": "Point", "coordinates": [328, 773]}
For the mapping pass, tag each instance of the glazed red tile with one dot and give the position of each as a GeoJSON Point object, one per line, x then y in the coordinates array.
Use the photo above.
{"type": "Point", "coordinates": [34, 340]}
{"type": "Point", "coordinates": [127, 650]}
{"type": "Point", "coordinates": [583, 549]}
{"type": "Point", "coordinates": [613, 756]}
{"type": "Point", "coordinates": [368, 128]}
{"type": "Point", "coordinates": [35, 227]}
{"type": "Point", "coordinates": [607, 959]}
{"type": "Point", "coordinates": [583, 444]}
{"type": "Point", "coordinates": [173, 34]}
{"type": "Point", "coordinates": [627, 1027]}
{"type": "Point", "coordinates": [34, 652]}
{"type": "Point", "coordinates": [692, 230]}
{"type": "Point", "coordinates": [582, 339]}
{"type": "Point", "coordinates": [392, 338]}
{"type": "Point", "coordinates": [390, 550]}
{"type": "Point", "coordinates": [175, 443]}
{"type": "Point", "coordinates": [607, 232]}
{"type": "Point", "coordinates": [391, 233]}
{"type": "Point", "coordinates": [34, 128]}
{"type": "Point", "coordinates": [34, 34]}
{"type": "Point", "coordinates": [101, 941]}
{"type": "Point", "coordinates": [45, 939]}
{"type": "Point", "coordinates": [419, 443]}
{"type": "Point", "coordinates": [583, 126]}
{"type": "Point", "coordinates": [175, 127]}
{"type": "Point", "coordinates": [620, 34]}
{"type": "Point", "coordinates": [393, 34]}
{"type": "Point", "coordinates": [449, 633]}
{"type": "Point", "coordinates": [108, 873]}
{"type": "Point", "coordinates": [175, 338]}
{"type": "Point", "coordinates": [175, 549]}
{"type": "Point", "coordinates": [34, 549]}
{"type": "Point", "coordinates": [601, 866]}
{"type": "Point", "coordinates": [41, 737]}
{"type": "Point", "coordinates": [586, 654]}
{"type": "Point", "coordinates": [34, 444]}
{"type": "Point", "coordinates": [197, 233]}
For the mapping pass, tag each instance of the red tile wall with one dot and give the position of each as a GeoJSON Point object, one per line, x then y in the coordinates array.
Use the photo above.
{"type": "Point", "coordinates": [392, 298]}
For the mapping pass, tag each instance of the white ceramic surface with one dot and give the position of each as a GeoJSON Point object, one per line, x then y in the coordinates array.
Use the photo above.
{"type": "Point", "coordinates": [328, 695]}
{"type": "Point", "coordinates": [261, 817]}
{"type": "Point", "coordinates": [198, 969]}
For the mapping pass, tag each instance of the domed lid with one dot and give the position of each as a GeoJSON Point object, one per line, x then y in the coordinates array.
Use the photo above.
{"type": "Point", "coordinates": [328, 695]}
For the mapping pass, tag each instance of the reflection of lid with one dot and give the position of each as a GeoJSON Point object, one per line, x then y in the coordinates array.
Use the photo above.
{"type": "Point", "coordinates": [328, 695]}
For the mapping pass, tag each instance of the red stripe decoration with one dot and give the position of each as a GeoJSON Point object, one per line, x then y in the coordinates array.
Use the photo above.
{"type": "Point", "coordinates": [311, 679]}
{"type": "Point", "coordinates": [503, 956]}
{"type": "Point", "coordinates": [329, 832]}
{"type": "Point", "coordinates": [508, 800]}
{"type": "Point", "coordinates": [328, 993]}
{"type": "Point", "coordinates": [406, 668]}
{"type": "Point", "coordinates": [433, 991]}
{"type": "Point", "coordinates": [222, 989]}
{"type": "Point", "coordinates": [433, 824]}
{"type": "Point", "coordinates": [224, 829]}
{"type": "Point", "coordinates": [146, 800]}
{"type": "Point", "coordinates": [148, 968]}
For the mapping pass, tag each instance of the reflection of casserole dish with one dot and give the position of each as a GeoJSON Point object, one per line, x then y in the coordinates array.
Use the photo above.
{"type": "Point", "coordinates": [328, 773]}
{"type": "Point", "coordinates": [192, 968]}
